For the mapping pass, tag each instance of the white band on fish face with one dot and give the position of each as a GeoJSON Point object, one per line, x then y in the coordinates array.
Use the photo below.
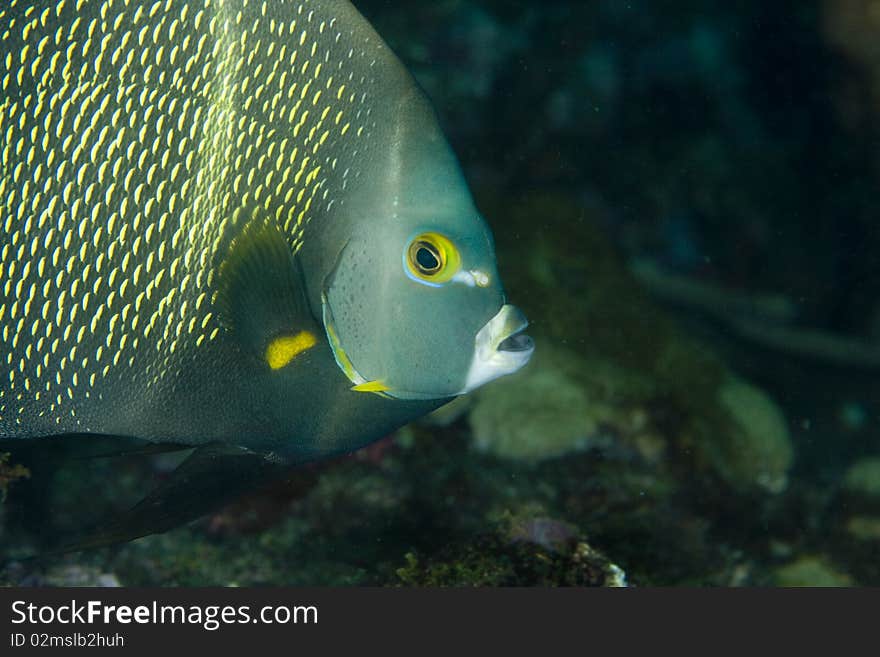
{"type": "Point", "coordinates": [481, 278]}
{"type": "Point", "coordinates": [472, 278]}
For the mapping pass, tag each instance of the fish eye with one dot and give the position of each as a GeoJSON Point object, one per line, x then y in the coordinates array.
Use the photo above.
{"type": "Point", "coordinates": [426, 259]}
{"type": "Point", "coordinates": [432, 258]}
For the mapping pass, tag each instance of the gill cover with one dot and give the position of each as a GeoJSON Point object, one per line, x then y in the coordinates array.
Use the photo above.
{"type": "Point", "coordinates": [396, 334]}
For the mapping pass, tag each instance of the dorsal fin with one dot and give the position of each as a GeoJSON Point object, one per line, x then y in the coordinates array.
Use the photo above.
{"type": "Point", "coordinates": [260, 293]}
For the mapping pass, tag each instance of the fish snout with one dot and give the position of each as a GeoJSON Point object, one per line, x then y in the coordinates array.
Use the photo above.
{"type": "Point", "coordinates": [501, 347]}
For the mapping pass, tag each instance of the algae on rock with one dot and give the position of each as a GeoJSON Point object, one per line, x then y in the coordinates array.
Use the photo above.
{"type": "Point", "coordinates": [811, 571]}
{"type": "Point", "coordinates": [539, 413]}
{"type": "Point", "coordinates": [862, 479]}
{"type": "Point", "coordinates": [492, 561]}
{"type": "Point", "coordinates": [758, 452]}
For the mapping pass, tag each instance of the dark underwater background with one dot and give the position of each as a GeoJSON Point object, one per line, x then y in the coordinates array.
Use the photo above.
{"type": "Point", "coordinates": [684, 199]}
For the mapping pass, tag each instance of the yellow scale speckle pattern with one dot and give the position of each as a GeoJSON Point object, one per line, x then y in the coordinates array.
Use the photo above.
{"type": "Point", "coordinates": [135, 135]}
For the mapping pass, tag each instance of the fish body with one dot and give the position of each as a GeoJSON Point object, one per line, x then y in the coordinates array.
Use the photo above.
{"type": "Point", "coordinates": [231, 221]}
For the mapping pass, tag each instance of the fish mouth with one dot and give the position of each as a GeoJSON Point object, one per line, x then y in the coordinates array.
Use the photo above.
{"type": "Point", "coordinates": [501, 347]}
{"type": "Point", "coordinates": [507, 331]}
{"type": "Point", "coordinates": [518, 342]}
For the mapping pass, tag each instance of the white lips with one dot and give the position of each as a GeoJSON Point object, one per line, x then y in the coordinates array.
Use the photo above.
{"type": "Point", "coordinates": [490, 363]}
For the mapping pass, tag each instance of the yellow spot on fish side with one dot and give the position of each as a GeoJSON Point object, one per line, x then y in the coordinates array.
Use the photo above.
{"type": "Point", "coordinates": [284, 349]}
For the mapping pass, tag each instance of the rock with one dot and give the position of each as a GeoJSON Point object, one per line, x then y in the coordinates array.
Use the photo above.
{"type": "Point", "coordinates": [494, 561]}
{"type": "Point", "coordinates": [538, 414]}
{"type": "Point", "coordinates": [548, 533]}
{"type": "Point", "coordinates": [9, 474]}
{"type": "Point", "coordinates": [864, 528]}
{"type": "Point", "coordinates": [79, 575]}
{"type": "Point", "coordinates": [811, 571]}
{"type": "Point", "coordinates": [863, 479]}
{"type": "Point", "coordinates": [757, 452]}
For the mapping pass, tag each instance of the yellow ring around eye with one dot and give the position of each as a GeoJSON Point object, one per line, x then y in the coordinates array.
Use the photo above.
{"type": "Point", "coordinates": [430, 248]}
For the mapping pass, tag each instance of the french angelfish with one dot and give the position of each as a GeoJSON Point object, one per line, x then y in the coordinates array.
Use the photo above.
{"type": "Point", "coordinates": [232, 225]}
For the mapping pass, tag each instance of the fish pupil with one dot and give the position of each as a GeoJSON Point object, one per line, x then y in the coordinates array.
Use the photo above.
{"type": "Point", "coordinates": [427, 259]}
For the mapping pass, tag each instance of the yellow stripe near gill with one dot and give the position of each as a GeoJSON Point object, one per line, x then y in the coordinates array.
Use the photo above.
{"type": "Point", "coordinates": [338, 352]}
{"type": "Point", "coordinates": [371, 386]}
{"type": "Point", "coordinates": [282, 350]}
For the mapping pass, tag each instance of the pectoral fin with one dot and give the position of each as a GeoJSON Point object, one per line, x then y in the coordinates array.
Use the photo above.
{"type": "Point", "coordinates": [261, 296]}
